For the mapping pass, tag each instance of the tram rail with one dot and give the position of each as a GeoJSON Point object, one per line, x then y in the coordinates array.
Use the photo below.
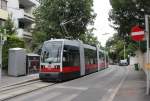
{"type": "Point", "coordinates": [20, 89]}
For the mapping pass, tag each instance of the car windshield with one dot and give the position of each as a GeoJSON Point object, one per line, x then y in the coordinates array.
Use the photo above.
{"type": "Point", "coordinates": [51, 52]}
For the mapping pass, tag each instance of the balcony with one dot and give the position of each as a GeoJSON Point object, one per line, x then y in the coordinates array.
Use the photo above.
{"type": "Point", "coordinates": [24, 33]}
{"type": "Point", "coordinates": [3, 14]}
{"type": "Point", "coordinates": [27, 3]}
{"type": "Point", "coordinates": [26, 15]}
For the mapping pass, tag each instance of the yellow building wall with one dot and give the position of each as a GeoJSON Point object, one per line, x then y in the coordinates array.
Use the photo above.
{"type": "Point", "coordinates": [3, 14]}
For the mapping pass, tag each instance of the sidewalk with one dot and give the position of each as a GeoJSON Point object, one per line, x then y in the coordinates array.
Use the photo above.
{"type": "Point", "coordinates": [9, 80]}
{"type": "Point", "coordinates": [134, 87]}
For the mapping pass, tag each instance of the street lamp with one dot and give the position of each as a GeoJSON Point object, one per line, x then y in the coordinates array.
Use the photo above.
{"type": "Point", "coordinates": [3, 38]}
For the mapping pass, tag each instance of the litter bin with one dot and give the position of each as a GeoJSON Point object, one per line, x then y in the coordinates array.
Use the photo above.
{"type": "Point", "coordinates": [136, 66]}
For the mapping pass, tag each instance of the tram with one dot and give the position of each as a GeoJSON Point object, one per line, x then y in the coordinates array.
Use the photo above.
{"type": "Point", "coordinates": [63, 59]}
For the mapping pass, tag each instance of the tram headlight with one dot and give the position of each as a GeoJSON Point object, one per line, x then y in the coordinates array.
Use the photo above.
{"type": "Point", "coordinates": [57, 66]}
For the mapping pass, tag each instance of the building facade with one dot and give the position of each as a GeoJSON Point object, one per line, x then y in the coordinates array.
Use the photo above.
{"type": "Point", "coordinates": [3, 12]}
{"type": "Point", "coordinates": [21, 12]}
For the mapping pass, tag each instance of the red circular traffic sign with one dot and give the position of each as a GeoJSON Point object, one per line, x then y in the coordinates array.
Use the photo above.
{"type": "Point", "coordinates": [137, 33]}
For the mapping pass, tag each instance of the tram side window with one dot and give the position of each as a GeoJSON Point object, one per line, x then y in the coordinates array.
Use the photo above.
{"type": "Point", "coordinates": [90, 56]}
{"type": "Point", "coordinates": [101, 56]}
{"type": "Point", "coordinates": [71, 56]}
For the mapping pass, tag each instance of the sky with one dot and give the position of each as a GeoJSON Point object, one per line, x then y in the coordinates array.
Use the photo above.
{"type": "Point", "coordinates": [103, 30]}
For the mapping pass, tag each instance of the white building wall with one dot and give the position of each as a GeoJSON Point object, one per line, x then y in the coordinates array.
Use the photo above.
{"type": "Point", "coordinates": [137, 59]}
{"type": "Point", "coordinates": [13, 9]}
{"type": "Point", "coordinates": [16, 13]}
{"type": "Point", "coordinates": [133, 60]}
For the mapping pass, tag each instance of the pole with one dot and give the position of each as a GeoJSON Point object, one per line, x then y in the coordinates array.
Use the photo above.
{"type": "Point", "coordinates": [124, 51]}
{"type": "Point", "coordinates": [105, 57]}
{"type": "Point", "coordinates": [147, 36]}
{"type": "Point", "coordinates": [0, 56]}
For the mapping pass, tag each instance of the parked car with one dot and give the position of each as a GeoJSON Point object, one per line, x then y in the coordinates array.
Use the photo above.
{"type": "Point", "coordinates": [123, 63]}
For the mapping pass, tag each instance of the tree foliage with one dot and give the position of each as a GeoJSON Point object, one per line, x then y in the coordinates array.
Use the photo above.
{"type": "Point", "coordinates": [12, 42]}
{"type": "Point", "coordinates": [64, 18]}
{"type": "Point", "coordinates": [9, 26]}
{"type": "Point", "coordinates": [124, 15]}
{"type": "Point", "coordinates": [115, 47]}
{"type": "Point", "coordinates": [128, 13]}
{"type": "Point", "coordinates": [9, 31]}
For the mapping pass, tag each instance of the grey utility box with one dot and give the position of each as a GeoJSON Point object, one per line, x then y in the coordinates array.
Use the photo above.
{"type": "Point", "coordinates": [17, 62]}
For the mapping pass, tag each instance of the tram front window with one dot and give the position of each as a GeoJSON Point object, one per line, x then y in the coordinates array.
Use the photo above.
{"type": "Point", "coordinates": [51, 52]}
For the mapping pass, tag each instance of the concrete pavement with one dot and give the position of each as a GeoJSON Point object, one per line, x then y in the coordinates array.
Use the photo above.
{"type": "Point", "coordinates": [134, 87]}
{"type": "Point", "coordinates": [10, 80]}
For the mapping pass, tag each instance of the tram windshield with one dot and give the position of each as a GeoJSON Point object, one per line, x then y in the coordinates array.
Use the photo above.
{"type": "Point", "coordinates": [51, 52]}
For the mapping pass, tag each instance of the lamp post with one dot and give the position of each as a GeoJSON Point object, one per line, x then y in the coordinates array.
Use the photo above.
{"type": "Point", "coordinates": [105, 53]}
{"type": "Point", "coordinates": [3, 38]}
{"type": "Point", "coordinates": [124, 51]}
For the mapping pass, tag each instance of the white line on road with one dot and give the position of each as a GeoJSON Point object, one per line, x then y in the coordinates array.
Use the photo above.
{"type": "Point", "coordinates": [71, 87]}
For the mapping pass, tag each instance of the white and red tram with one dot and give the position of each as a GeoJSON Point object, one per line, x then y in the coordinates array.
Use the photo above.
{"type": "Point", "coordinates": [63, 59]}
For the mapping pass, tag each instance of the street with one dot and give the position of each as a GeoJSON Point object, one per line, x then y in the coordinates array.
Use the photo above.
{"type": "Point", "coordinates": [99, 86]}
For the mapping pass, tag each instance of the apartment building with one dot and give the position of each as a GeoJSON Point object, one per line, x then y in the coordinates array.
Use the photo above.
{"type": "Point", "coordinates": [3, 12]}
{"type": "Point", "coordinates": [21, 13]}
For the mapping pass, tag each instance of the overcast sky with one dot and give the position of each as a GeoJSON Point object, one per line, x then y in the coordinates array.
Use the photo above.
{"type": "Point", "coordinates": [102, 25]}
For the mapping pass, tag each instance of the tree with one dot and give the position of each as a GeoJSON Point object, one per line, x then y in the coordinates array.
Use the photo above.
{"type": "Point", "coordinates": [64, 18]}
{"type": "Point", "coordinates": [9, 26]}
{"type": "Point", "coordinates": [12, 40]}
{"type": "Point", "coordinates": [125, 14]}
{"type": "Point", "coordinates": [128, 13]}
{"type": "Point", "coordinates": [115, 47]}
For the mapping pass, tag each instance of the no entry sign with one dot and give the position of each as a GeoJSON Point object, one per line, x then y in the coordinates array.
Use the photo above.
{"type": "Point", "coordinates": [137, 33]}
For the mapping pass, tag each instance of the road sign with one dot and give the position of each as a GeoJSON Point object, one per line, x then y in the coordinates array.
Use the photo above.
{"type": "Point", "coordinates": [137, 33]}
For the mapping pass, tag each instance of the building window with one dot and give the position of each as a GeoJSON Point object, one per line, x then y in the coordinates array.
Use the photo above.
{"type": "Point", "coordinates": [21, 25]}
{"type": "Point", "coordinates": [4, 4]}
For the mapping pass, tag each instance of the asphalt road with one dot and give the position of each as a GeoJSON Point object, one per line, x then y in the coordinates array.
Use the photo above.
{"type": "Point", "coordinates": [99, 86]}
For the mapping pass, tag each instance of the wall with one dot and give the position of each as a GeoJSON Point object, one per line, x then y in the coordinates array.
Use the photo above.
{"type": "Point", "coordinates": [3, 14]}
{"type": "Point", "coordinates": [13, 9]}
{"type": "Point", "coordinates": [139, 58]}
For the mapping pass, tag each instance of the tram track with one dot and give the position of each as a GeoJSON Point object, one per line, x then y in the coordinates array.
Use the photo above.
{"type": "Point", "coordinates": [20, 89]}
{"type": "Point", "coordinates": [17, 85]}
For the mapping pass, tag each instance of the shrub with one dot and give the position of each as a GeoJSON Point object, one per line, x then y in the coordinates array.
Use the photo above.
{"type": "Point", "coordinates": [12, 42]}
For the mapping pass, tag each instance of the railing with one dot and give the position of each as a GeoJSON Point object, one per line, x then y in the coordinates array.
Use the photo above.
{"type": "Point", "coordinates": [24, 32]}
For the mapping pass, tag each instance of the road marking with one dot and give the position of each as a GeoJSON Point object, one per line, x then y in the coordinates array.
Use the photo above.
{"type": "Point", "coordinates": [69, 97]}
{"type": "Point", "coordinates": [71, 87]}
{"type": "Point", "coordinates": [48, 97]}
{"type": "Point", "coordinates": [112, 92]}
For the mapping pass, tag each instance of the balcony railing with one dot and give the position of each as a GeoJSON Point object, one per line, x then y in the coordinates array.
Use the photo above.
{"type": "Point", "coordinates": [24, 33]}
{"type": "Point", "coordinates": [26, 15]}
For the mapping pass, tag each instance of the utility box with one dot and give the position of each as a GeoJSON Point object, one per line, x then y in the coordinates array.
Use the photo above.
{"type": "Point", "coordinates": [17, 62]}
{"type": "Point", "coordinates": [32, 63]}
